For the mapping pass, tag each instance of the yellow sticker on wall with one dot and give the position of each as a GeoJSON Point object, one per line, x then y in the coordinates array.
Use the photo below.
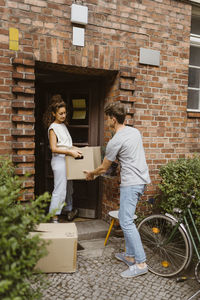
{"type": "Point", "coordinates": [13, 39]}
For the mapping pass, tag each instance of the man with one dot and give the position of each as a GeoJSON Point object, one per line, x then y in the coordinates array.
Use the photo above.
{"type": "Point", "coordinates": [126, 146]}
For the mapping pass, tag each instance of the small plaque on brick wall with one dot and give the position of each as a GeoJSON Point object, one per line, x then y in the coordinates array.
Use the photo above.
{"type": "Point", "coordinates": [13, 39]}
{"type": "Point", "coordinates": [78, 36]}
{"type": "Point", "coordinates": [149, 57]}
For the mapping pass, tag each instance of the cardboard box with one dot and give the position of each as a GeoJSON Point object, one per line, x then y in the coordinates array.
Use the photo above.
{"type": "Point", "coordinates": [90, 161]}
{"type": "Point", "coordinates": [62, 249]}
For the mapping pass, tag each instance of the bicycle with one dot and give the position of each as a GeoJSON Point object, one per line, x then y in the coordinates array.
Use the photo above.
{"type": "Point", "coordinates": [169, 242]}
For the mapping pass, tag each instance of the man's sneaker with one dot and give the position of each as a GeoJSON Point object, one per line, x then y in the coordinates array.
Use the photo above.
{"type": "Point", "coordinates": [72, 214]}
{"type": "Point", "coordinates": [134, 271]}
{"type": "Point", "coordinates": [122, 257]}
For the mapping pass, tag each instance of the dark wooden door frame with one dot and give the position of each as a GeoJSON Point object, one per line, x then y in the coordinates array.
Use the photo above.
{"type": "Point", "coordinates": [96, 133]}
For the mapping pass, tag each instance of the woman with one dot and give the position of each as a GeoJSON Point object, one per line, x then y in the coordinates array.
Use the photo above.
{"type": "Point", "coordinates": [61, 144]}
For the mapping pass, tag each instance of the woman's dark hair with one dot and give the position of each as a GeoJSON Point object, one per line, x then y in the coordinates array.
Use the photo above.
{"type": "Point", "coordinates": [56, 102]}
{"type": "Point", "coordinates": [117, 110]}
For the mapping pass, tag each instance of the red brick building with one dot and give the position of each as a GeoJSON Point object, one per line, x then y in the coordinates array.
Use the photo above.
{"type": "Point", "coordinates": [140, 52]}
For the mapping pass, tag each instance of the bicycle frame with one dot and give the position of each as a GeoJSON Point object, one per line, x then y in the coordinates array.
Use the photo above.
{"type": "Point", "coordinates": [177, 223]}
{"type": "Point", "coordinates": [183, 219]}
{"type": "Point", "coordinates": [180, 222]}
{"type": "Point", "coordinates": [189, 213]}
{"type": "Point", "coordinates": [160, 234]}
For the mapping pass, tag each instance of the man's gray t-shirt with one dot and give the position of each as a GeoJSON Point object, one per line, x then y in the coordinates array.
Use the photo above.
{"type": "Point", "coordinates": [126, 146]}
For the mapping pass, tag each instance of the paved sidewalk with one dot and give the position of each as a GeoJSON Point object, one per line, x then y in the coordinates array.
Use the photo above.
{"type": "Point", "coordinates": [98, 277]}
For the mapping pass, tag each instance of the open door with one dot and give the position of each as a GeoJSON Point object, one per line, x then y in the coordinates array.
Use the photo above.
{"type": "Point", "coordinates": [85, 117]}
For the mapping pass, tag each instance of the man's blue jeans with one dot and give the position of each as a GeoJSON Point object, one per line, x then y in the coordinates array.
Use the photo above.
{"type": "Point", "coordinates": [129, 196]}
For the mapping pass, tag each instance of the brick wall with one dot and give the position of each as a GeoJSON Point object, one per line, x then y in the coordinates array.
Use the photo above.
{"type": "Point", "coordinates": [156, 96]}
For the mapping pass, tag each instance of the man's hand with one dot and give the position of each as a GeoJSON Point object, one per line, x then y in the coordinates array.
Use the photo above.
{"type": "Point", "coordinates": [98, 171]}
{"type": "Point", "coordinates": [89, 175]}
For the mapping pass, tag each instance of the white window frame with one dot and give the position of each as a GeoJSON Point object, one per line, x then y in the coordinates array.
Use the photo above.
{"type": "Point", "coordinates": [194, 41]}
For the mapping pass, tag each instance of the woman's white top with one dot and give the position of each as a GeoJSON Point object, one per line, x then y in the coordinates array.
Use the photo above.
{"type": "Point", "coordinates": [63, 137]}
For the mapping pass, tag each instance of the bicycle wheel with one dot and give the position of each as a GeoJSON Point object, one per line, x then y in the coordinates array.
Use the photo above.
{"type": "Point", "coordinates": [164, 258]}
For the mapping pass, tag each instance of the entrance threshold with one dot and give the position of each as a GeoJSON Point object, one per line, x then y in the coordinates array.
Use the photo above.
{"type": "Point", "coordinates": [89, 228]}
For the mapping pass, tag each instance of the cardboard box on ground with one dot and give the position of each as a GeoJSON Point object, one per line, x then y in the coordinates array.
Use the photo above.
{"type": "Point", "coordinates": [62, 249]}
{"type": "Point", "coordinates": [91, 160]}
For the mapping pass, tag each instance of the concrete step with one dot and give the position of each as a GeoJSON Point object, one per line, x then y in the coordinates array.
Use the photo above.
{"type": "Point", "coordinates": [95, 247]}
{"type": "Point", "coordinates": [92, 229]}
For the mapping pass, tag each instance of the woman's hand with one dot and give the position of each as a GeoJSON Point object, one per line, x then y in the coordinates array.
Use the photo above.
{"type": "Point", "coordinates": [75, 153]}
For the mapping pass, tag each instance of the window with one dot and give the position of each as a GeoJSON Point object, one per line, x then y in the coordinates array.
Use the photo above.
{"type": "Point", "coordinates": [194, 66]}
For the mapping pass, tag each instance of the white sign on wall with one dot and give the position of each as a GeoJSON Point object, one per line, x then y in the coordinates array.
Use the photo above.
{"type": "Point", "coordinates": [78, 36]}
{"type": "Point", "coordinates": [149, 57]}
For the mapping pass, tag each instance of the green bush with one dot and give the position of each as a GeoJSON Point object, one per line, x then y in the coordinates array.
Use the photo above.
{"type": "Point", "coordinates": [19, 252]}
{"type": "Point", "coordinates": [180, 180]}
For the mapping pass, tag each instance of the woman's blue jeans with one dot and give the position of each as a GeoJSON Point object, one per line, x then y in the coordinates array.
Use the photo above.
{"type": "Point", "coordinates": [129, 196]}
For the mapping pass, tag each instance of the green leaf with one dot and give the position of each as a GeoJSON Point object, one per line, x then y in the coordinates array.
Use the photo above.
{"type": "Point", "coordinates": [19, 253]}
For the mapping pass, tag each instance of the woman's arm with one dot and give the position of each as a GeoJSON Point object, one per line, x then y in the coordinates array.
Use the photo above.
{"type": "Point", "coordinates": [61, 150]}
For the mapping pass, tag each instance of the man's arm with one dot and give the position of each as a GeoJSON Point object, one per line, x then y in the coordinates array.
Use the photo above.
{"type": "Point", "coordinates": [98, 171]}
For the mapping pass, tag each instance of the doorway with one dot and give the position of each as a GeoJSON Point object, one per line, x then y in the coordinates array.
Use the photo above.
{"type": "Point", "coordinates": [84, 95]}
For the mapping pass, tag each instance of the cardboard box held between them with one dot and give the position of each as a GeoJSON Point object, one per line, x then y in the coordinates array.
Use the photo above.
{"type": "Point", "coordinates": [91, 160]}
{"type": "Point", "coordinates": [62, 249]}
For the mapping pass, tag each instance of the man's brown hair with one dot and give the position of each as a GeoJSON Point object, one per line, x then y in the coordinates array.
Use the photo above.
{"type": "Point", "coordinates": [117, 110]}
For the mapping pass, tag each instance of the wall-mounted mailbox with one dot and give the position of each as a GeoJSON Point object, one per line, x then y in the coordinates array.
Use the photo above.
{"type": "Point", "coordinates": [149, 57]}
{"type": "Point", "coordinates": [79, 14]}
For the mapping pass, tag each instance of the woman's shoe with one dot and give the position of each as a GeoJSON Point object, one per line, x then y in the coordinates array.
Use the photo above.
{"type": "Point", "coordinates": [55, 220]}
{"type": "Point", "coordinates": [71, 215]}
